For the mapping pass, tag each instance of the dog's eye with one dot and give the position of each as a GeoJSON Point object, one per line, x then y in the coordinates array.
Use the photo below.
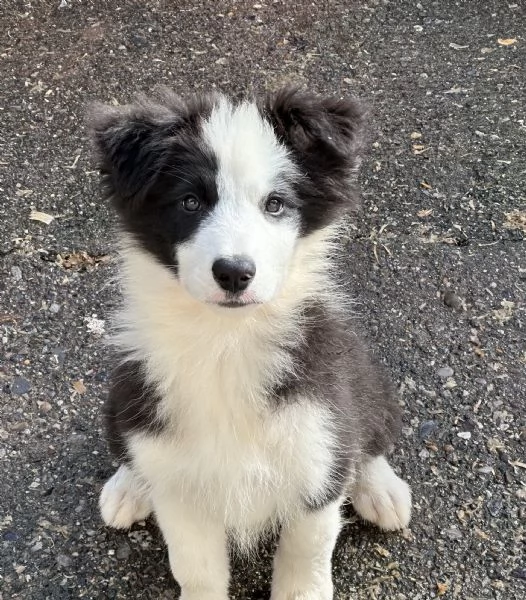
{"type": "Point", "coordinates": [191, 203]}
{"type": "Point", "coordinates": [274, 205]}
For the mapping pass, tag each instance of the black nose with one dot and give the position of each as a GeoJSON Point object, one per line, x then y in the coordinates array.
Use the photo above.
{"type": "Point", "coordinates": [234, 274]}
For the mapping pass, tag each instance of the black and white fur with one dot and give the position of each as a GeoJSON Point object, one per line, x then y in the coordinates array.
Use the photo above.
{"type": "Point", "coordinates": [243, 401]}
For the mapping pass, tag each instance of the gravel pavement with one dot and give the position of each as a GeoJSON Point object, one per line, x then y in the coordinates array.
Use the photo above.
{"type": "Point", "coordinates": [436, 261]}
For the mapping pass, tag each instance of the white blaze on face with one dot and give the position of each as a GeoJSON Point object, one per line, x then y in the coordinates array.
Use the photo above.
{"type": "Point", "coordinates": [251, 165]}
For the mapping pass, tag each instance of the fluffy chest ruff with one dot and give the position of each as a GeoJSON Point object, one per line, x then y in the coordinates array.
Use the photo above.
{"type": "Point", "coordinates": [214, 427]}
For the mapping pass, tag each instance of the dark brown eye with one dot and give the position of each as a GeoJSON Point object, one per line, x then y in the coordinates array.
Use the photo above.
{"type": "Point", "coordinates": [274, 205]}
{"type": "Point", "coordinates": [191, 203]}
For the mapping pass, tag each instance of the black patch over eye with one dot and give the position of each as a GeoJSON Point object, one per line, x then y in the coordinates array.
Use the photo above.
{"type": "Point", "coordinates": [191, 203]}
{"type": "Point", "coordinates": [274, 205]}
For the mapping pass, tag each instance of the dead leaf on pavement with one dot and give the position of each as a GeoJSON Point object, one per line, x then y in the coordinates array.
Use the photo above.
{"type": "Point", "coordinates": [36, 215]}
{"type": "Point", "coordinates": [424, 212]}
{"type": "Point", "coordinates": [504, 314]}
{"type": "Point", "coordinates": [80, 260]}
{"type": "Point", "coordinates": [506, 41]}
{"type": "Point", "coordinates": [481, 534]}
{"type": "Point", "coordinates": [382, 551]}
{"type": "Point", "coordinates": [79, 386]}
{"type": "Point", "coordinates": [516, 219]}
{"type": "Point", "coordinates": [442, 588]}
{"type": "Point", "coordinates": [493, 444]}
{"type": "Point", "coordinates": [418, 148]}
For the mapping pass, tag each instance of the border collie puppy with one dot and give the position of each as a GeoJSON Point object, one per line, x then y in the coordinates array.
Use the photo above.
{"type": "Point", "coordinates": [243, 402]}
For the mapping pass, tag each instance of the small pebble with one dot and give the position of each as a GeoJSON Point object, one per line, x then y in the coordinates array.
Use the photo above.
{"type": "Point", "coordinates": [519, 572]}
{"type": "Point", "coordinates": [16, 273]}
{"type": "Point", "coordinates": [452, 300]}
{"type": "Point", "coordinates": [494, 507]}
{"type": "Point", "coordinates": [64, 561]}
{"type": "Point", "coordinates": [453, 533]}
{"type": "Point", "coordinates": [20, 386]}
{"type": "Point", "coordinates": [427, 429]}
{"type": "Point", "coordinates": [465, 435]}
{"type": "Point", "coordinates": [123, 552]}
{"type": "Point", "coordinates": [445, 372]}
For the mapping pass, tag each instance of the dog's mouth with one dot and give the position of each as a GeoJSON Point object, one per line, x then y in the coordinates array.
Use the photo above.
{"type": "Point", "coordinates": [234, 300]}
{"type": "Point", "coordinates": [237, 303]}
{"type": "Point", "coordinates": [230, 300]}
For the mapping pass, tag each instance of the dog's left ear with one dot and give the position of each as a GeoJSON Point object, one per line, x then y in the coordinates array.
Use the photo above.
{"type": "Point", "coordinates": [325, 133]}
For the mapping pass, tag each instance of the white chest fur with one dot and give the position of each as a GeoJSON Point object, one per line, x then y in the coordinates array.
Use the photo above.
{"type": "Point", "coordinates": [226, 448]}
{"type": "Point", "coordinates": [249, 472]}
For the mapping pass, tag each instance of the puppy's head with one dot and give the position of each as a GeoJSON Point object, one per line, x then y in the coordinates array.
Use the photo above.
{"type": "Point", "coordinates": [223, 193]}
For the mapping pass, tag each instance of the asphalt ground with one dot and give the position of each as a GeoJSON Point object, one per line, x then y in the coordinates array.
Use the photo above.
{"type": "Point", "coordinates": [436, 261]}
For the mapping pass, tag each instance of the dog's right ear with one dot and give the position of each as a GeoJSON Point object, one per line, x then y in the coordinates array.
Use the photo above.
{"type": "Point", "coordinates": [131, 143]}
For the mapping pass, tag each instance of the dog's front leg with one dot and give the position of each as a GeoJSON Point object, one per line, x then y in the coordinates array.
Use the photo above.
{"type": "Point", "coordinates": [302, 566]}
{"type": "Point", "coordinates": [197, 549]}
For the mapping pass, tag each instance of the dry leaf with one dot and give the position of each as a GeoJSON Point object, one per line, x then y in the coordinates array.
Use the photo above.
{"type": "Point", "coordinates": [455, 90]}
{"type": "Point", "coordinates": [80, 260]}
{"type": "Point", "coordinates": [424, 213]}
{"type": "Point", "coordinates": [44, 406]}
{"type": "Point", "coordinates": [481, 534]}
{"type": "Point", "coordinates": [442, 588]}
{"type": "Point", "coordinates": [415, 135]}
{"type": "Point", "coordinates": [515, 219]}
{"type": "Point", "coordinates": [382, 551]}
{"type": "Point", "coordinates": [79, 386]}
{"type": "Point", "coordinates": [506, 41]}
{"type": "Point", "coordinates": [504, 314]}
{"type": "Point", "coordinates": [493, 444]}
{"type": "Point", "coordinates": [418, 148]}
{"type": "Point", "coordinates": [36, 215]}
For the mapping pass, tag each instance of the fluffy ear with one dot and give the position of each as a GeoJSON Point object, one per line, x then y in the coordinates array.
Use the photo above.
{"type": "Point", "coordinates": [326, 134]}
{"type": "Point", "coordinates": [131, 141]}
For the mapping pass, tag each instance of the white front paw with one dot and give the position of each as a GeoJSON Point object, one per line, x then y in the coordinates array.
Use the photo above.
{"type": "Point", "coordinates": [380, 496]}
{"type": "Point", "coordinates": [122, 501]}
{"type": "Point", "coordinates": [298, 592]}
{"type": "Point", "coordinates": [201, 595]}
{"type": "Point", "coordinates": [313, 585]}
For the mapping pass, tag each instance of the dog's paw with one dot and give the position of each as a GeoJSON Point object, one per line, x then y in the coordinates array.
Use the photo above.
{"type": "Point", "coordinates": [325, 592]}
{"type": "Point", "coordinates": [123, 501]}
{"type": "Point", "coordinates": [381, 497]}
{"type": "Point", "coordinates": [201, 595]}
{"type": "Point", "coordinates": [297, 582]}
